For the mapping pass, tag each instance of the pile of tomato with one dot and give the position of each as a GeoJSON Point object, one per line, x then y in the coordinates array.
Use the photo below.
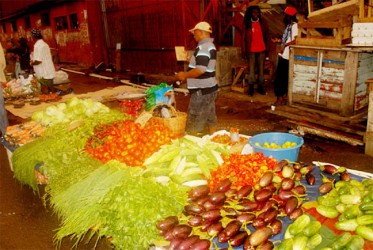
{"type": "Point", "coordinates": [132, 107]}
{"type": "Point", "coordinates": [242, 170]}
{"type": "Point", "coordinates": [226, 139]}
{"type": "Point", "coordinates": [127, 141]}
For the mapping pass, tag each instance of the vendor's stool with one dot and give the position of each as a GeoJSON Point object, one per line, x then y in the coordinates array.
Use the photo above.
{"type": "Point", "coordinates": [240, 83]}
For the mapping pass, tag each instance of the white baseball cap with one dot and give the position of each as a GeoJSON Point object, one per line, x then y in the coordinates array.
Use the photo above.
{"type": "Point", "coordinates": [202, 26]}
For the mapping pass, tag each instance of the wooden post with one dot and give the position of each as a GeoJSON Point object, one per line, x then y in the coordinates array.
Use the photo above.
{"type": "Point", "coordinates": [349, 83]}
{"type": "Point", "coordinates": [368, 137]}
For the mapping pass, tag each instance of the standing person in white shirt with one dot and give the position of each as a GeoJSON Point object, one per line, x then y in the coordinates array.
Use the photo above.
{"type": "Point", "coordinates": [42, 60]}
{"type": "Point", "coordinates": [288, 38]}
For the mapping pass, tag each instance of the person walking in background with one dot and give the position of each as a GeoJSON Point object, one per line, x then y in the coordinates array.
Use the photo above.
{"type": "Point", "coordinates": [288, 38]}
{"type": "Point", "coordinates": [255, 46]}
{"type": "Point", "coordinates": [11, 57]}
{"type": "Point", "coordinates": [3, 115]}
{"type": "Point", "coordinates": [201, 82]}
{"type": "Point", "coordinates": [41, 60]}
{"type": "Point", "coordinates": [23, 52]}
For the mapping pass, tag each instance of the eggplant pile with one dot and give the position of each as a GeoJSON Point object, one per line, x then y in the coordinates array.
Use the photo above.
{"type": "Point", "coordinates": [247, 216]}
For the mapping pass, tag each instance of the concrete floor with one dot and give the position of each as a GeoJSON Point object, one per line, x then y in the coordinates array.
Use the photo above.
{"type": "Point", "coordinates": [25, 223]}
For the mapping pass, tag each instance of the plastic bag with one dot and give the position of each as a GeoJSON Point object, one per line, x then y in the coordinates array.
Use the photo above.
{"type": "Point", "coordinates": [161, 93]}
{"type": "Point", "coordinates": [61, 77]}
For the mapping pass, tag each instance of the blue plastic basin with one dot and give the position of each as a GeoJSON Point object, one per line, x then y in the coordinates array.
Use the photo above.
{"type": "Point", "coordinates": [279, 138]}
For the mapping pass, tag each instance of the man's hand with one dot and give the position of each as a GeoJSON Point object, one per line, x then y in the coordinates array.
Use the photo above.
{"type": "Point", "coordinates": [181, 76]}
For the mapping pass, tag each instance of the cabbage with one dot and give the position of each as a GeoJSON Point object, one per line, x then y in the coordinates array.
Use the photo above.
{"type": "Point", "coordinates": [62, 106]}
{"type": "Point", "coordinates": [51, 110]}
{"type": "Point", "coordinates": [72, 102]}
{"type": "Point", "coordinates": [79, 109]}
{"type": "Point", "coordinates": [71, 110]}
{"type": "Point", "coordinates": [37, 116]}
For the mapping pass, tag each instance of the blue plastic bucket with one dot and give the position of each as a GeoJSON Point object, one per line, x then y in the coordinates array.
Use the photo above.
{"type": "Point", "coordinates": [279, 138]}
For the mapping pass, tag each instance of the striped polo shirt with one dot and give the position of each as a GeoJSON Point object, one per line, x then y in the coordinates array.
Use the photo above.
{"type": "Point", "coordinates": [204, 58]}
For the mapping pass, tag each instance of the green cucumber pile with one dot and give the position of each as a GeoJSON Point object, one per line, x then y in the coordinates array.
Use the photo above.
{"type": "Point", "coordinates": [351, 202]}
{"type": "Point", "coordinates": [303, 233]}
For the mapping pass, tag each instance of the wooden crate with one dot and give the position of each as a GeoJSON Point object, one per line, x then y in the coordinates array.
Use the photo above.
{"type": "Point", "coordinates": [330, 79]}
{"type": "Point", "coordinates": [366, 11]}
{"type": "Point", "coordinates": [310, 33]}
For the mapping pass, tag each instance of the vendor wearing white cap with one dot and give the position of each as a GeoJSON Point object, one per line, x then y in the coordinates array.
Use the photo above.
{"type": "Point", "coordinates": [201, 82]}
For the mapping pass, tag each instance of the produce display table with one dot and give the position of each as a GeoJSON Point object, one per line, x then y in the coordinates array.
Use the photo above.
{"type": "Point", "coordinates": [103, 95]}
{"type": "Point", "coordinates": [110, 188]}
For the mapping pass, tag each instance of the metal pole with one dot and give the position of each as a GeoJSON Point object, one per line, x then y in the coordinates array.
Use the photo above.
{"type": "Point", "coordinates": [106, 32]}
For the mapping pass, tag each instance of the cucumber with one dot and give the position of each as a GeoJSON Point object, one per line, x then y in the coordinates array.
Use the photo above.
{"type": "Point", "coordinates": [366, 206]}
{"type": "Point", "coordinates": [327, 212]}
{"type": "Point", "coordinates": [341, 241]}
{"type": "Point", "coordinates": [312, 228]}
{"type": "Point", "coordinates": [314, 241]}
{"type": "Point", "coordinates": [356, 243]}
{"type": "Point", "coordinates": [286, 244]}
{"type": "Point", "coordinates": [300, 242]}
{"type": "Point", "coordinates": [299, 224]}
{"type": "Point", "coordinates": [346, 225]}
{"type": "Point", "coordinates": [350, 199]}
{"type": "Point", "coordinates": [365, 232]}
{"type": "Point", "coordinates": [352, 211]}
{"type": "Point", "coordinates": [365, 219]}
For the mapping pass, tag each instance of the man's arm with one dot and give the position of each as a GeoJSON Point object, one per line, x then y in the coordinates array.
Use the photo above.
{"type": "Point", "coordinates": [193, 73]}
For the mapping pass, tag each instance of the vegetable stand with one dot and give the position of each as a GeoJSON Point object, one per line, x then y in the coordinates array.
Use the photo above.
{"type": "Point", "coordinates": [94, 191]}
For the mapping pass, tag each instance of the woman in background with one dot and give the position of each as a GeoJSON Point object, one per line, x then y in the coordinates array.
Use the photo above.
{"type": "Point", "coordinates": [288, 38]}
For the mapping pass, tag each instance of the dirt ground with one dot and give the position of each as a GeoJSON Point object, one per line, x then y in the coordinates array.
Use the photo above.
{"type": "Point", "coordinates": [25, 223]}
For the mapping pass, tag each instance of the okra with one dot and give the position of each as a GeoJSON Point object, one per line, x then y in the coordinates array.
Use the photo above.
{"type": "Point", "coordinates": [365, 231]}
{"type": "Point", "coordinates": [366, 206]}
{"type": "Point", "coordinates": [341, 241]}
{"type": "Point", "coordinates": [327, 212]}
{"type": "Point", "coordinates": [300, 242]}
{"type": "Point", "coordinates": [365, 219]}
{"type": "Point", "coordinates": [356, 243]}
{"type": "Point", "coordinates": [299, 224]}
{"type": "Point", "coordinates": [314, 241]}
{"type": "Point", "coordinates": [346, 225]}
{"type": "Point", "coordinates": [312, 228]}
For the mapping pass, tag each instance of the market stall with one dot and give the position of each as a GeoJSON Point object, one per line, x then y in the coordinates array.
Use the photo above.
{"type": "Point", "coordinates": [107, 175]}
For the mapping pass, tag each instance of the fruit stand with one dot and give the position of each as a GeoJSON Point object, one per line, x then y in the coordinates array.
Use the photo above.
{"type": "Point", "coordinates": [106, 175]}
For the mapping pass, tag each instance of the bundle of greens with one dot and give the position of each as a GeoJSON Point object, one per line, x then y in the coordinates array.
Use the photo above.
{"type": "Point", "coordinates": [117, 202]}
{"type": "Point", "coordinates": [60, 151]}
